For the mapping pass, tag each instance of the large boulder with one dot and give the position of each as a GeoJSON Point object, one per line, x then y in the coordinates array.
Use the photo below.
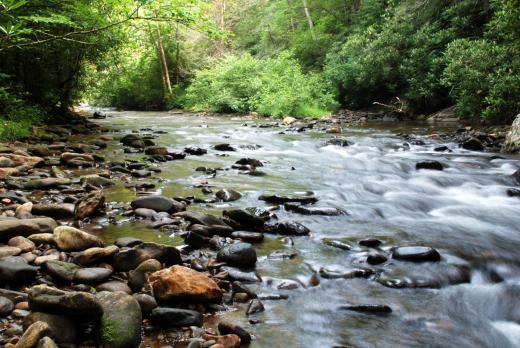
{"type": "Point", "coordinates": [159, 204]}
{"type": "Point", "coordinates": [14, 228]}
{"type": "Point", "coordinates": [238, 254]}
{"type": "Point", "coordinates": [120, 325]}
{"type": "Point", "coordinates": [43, 298]}
{"type": "Point", "coordinates": [60, 271]}
{"type": "Point", "coordinates": [179, 283]}
{"type": "Point", "coordinates": [512, 143]}
{"type": "Point", "coordinates": [56, 211]}
{"type": "Point", "coordinates": [71, 239]}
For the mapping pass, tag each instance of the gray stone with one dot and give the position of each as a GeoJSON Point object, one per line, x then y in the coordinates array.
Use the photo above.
{"type": "Point", "coordinates": [512, 143]}
{"type": "Point", "coordinates": [238, 254]}
{"type": "Point", "coordinates": [92, 276]}
{"type": "Point", "coordinates": [159, 204]}
{"type": "Point", "coordinates": [14, 228]}
{"type": "Point", "coordinates": [51, 300]}
{"type": "Point", "coordinates": [175, 317]}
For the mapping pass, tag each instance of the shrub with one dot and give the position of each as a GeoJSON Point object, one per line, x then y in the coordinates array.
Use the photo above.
{"type": "Point", "coordinates": [484, 79]}
{"type": "Point", "coordinates": [272, 87]}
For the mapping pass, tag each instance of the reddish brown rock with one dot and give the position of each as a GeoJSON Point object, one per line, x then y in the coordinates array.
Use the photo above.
{"type": "Point", "coordinates": [88, 206]}
{"type": "Point", "coordinates": [227, 341]}
{"type": "Point", "coordinates": [182, 283]}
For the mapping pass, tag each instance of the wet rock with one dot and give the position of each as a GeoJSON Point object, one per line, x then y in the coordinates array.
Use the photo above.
{"type": "Point", "coordinates": [6, 251]}
{"type": "Point", "coordinates": [277, 199]}
{"type": "Point", "coordinates": [137, 278]}
{"type": "Point", "coordinates": [304, 210]}
{"type": "Point", "coordinates": [179, 283]}
{"type": "Point", "coordinates": [92, 276]}
{"type": "Point", "coordinates": [226, 195]}
{"type": "Point", "coordinates": [224, 341]}
{"type": "Point", "coordinates": [55, 211]}
{"type": "Point", "coordinates": [90, 205]}
{"type": "Point", "coordinates": [66, 157]}
{"type": "Point", "coordinates": [159, 204]}
{"type": "Point", "coordinates": [61, 327]}
{"type": "Point", "coordinates": [93, 255]}
{"type": "Point", "coordinates": [24, 211]}
{"type": "Point", "coordinates": [282, 255]}
{"type": "Point", "coordinates": [129, 242]}
{"type": "Point", "coordinates": [431, 165]}
{"type": "Point", "coordinates": [47, 183]}
{"type": "Point", "coordinates": [13, 273]}
{"type": "Point", "coordinates": [370, 242]}
{"type": "Point", "coordinates": [24, 244]}
{"type": "Point", "coordinates": [6, 306]}
{"type": "Point", "coordinates": [196, 151]}
{"type": "Point", "coordinates": [195, 240]}
{"type": "Point", "coordinates": [416, 254]}
{"type": "Point", "coordinates": [368, 308]}
{"type": "Point", "coordinates": [71, 239]}
{"type": "Point", "coordinates": [96, 181]}
{"type": "Point", "coordinates": [132, 140]}
{"type": "Point", "coordinates": [175, 317]}
{"type": "Point", "coordinates": [346, 274]}
{"type": "Point", "coordinates": [14, 228]}
{"type": "Point", "coordinates": [146, 302]}
{"type": "Point", "coordinates": [238, 254]}
{"type": "Point", "coordinates": [157, 151]}
{"type": "Point", "coordinates": [250, 162]}
{"type": "Point", "coordinates": [43, 298]}
{"type": "Point", "coordinates": [338, 142]}
{"type": "Point", "coordinates": [60, 271]}
{"type": "Point", "coordinates": [251, 237]}
{"type": "Point", "coordinates": [141, 173]}
{"type": "Point", "coordinates": [288, 228]}
{"type": "Point", "coordinates": [244, 218]}
{"type": "Point", "coordinates": [472, 144]}
{"type": "Point", "coordinates": [224, 147]}
{"type": "Point", "coordinates": [516, 176]}
{"type": "Point", "coordinates": [255, 306]}
{"type": "Point", "coordinates": [120, 325]}
{"type": "Point", "coordinates": [237, 274]}
{"type": "Point", "coordinates": [376, 258]}
{"type": "Point", "coordinates": [127, 260]}
{"type": "Point", "coordinates": [513, 192]}
{"type": "Point", "coordinates": [441, 148]}
{"type": "Point", "coordinates": [33, 334]}
{"type": "Point", "coordinates": [512, 142]}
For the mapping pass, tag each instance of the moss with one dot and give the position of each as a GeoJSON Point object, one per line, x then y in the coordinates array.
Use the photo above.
{"type": "Point", "coordinates": [108, 330]}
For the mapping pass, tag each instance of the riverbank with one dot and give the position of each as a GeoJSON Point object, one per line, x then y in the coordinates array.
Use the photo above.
{"type": "Point", "coordinates": [238, 225]}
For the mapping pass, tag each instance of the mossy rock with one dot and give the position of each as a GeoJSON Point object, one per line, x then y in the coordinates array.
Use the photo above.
{"type": "Point", "coordinates": [120, 325]}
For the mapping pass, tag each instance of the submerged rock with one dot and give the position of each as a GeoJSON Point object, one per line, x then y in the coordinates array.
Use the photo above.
{"type": "Point", "coordinates": [432, 165]}
{"type": "Point", "coordinates": [277, 199]}
{"type": "Point", "coordinates": [288, 228]}
{"type": "Point", "coordinates": [226, 195]}
{"type": "Point", "coordinates": [368, 308]}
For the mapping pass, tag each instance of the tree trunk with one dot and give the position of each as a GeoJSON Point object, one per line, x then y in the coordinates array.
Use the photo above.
{"type": "Point", "coordinates": [177, 55]}
{"type": "Point", "coordinates": [309, 19]}
{"type": "Point", "coordinates": [167, 86]}
{"type": "Point", "coordinates": [291, 14]}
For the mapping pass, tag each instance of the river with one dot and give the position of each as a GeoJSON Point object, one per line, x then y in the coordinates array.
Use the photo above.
{"type": "Point", "coordinates": [470, 298]}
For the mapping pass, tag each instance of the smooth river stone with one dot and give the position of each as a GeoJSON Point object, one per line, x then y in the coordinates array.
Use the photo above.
{"type": "Point", "coordinates": [416, 254]}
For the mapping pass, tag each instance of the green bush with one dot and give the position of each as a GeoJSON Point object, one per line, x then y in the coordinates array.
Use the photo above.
{"type": "Point", "coordinates": [272, 87]}
{"type": "Point", "coordinates": [16, 114]}
{"type": "Point", "coordinates": [484, 79]}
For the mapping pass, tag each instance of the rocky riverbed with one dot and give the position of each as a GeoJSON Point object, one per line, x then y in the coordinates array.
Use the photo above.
{"type": "Point", "coordinates": [184, 230]}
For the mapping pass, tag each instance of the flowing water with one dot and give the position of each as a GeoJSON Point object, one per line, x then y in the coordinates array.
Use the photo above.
{"type": "Point", "coordinates": [463, 211]}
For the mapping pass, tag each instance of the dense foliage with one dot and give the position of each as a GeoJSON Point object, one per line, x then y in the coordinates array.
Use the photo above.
{"type": "Point", "coordinates": [272, 87]}
{"type": "Point", "coordinates": [276, 57]}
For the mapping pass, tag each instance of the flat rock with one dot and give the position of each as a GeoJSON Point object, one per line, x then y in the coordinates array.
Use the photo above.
{"type": "Point", "coordinates": [47, 183]}
{"type": "Point", "coordinates": [93, 255]}
{"type": "Point", "coordinates": [431, 165]}
{"type": "Point", "coordinates": [60, 271]}
{"type": "Point", "coordinates": [55, 211]}
{"type": "Point", "coordinates": [51, 300]}
{"type": "Point", "coordinates": [92, 276]}
{"type": "Point", "coordinates": [12, 273]}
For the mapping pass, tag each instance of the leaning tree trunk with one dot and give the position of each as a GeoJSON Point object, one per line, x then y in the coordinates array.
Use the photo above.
{"type": "Point", "coordinates": [309, 19]}
{"type": "Point", "coordinates": [291, 14]}
{"type": "Point", "coordinates": [167, 86]}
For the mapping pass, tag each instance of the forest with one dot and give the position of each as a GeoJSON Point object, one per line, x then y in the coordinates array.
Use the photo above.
{"type": "Point", "coordinates": [303, 58]}
{"type": "Point", "coordinates": [259, 173]}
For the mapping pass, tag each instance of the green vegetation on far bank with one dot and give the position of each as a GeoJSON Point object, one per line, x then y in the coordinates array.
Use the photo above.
{"type": "Point", "coordinates": [303, 58]}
